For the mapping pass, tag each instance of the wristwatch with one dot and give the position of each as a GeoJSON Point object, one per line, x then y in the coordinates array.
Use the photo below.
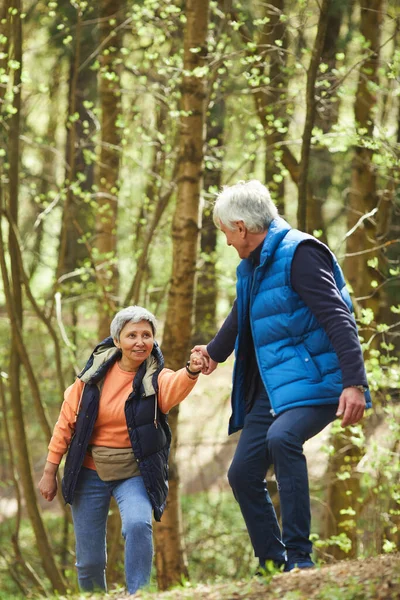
{"type": "Point", "coordinates": [362, 388]}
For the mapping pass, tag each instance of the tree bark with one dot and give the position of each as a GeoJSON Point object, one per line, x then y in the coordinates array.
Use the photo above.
{"type": "Point", "coordinates": [311, 104]}
{"type": "Point", "coordinates": [273, 100]}
{"type": "Point", "coordinates": [177, 334]}
{"type": "Point", "coordinates": [362, 199]}
{"type": "Point", "coordinates": [13, 294]}
{"type": "Point", "coordinates": [207, 289]}
{"type": "Point", "coordinates": [321, 161]}
{"type": "Point", "coordinates": [363, 189]}
{"type": "Point", "coordinates": [111, 15]}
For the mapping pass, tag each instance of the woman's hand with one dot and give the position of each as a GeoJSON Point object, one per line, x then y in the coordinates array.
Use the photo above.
{"type": "Point", "coordinates": [197, 362]}
{"type": "Point", "coordinates": [48, 483]}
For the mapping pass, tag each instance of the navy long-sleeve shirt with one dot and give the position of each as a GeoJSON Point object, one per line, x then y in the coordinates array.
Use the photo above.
{"type": "Point", "coordinates": [312, 278]}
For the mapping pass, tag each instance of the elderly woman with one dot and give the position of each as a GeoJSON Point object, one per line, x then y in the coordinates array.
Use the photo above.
{"type": "Point", "coordinates": [113, 423]}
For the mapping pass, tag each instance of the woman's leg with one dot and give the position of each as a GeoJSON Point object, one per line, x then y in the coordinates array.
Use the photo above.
{"type": "Point", "coordinates": [136, 516]}
{"type": "Point", "coordinates": [89, 512]}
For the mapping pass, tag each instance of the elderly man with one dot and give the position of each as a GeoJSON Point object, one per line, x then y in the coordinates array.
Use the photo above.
{"type": "Point", "coordinates": [298, 365]}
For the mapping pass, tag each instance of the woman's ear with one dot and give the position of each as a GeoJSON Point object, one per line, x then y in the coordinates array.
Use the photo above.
{"type": "Point", "coordinates": [116, 342]}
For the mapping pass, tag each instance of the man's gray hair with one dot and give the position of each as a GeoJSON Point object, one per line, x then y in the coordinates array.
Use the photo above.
{"type": "Point", "coordinates": [247, 201]}
{"type": "Point", "coordinates": [131, 314]}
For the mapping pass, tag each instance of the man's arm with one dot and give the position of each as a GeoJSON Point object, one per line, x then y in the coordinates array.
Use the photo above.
{"type": "Point", "coordinates": [312, 278]}
{"type": "Point", "coordinates": [223, 344]}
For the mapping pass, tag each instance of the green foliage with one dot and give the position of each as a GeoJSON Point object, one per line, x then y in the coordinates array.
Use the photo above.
{"type": "Point", "coordinates": [216, 539]}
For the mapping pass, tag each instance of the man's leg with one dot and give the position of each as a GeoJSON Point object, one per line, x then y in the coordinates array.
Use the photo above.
{"type": "Point", "coordinates": [89, 512]}
{"type": "Point", "coordinates": [247, 478]}
{"type": "Point", "coordinates": [136, 516]}
{"type": "Point", "coordinates": [285, 440]}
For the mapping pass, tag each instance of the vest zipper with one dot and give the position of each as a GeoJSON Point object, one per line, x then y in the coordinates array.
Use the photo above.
{"type": "Point", "coordinates": [155, 410]}
{"type": "Point", "coordinates": [79, 403]}
{"type": "Point", "coordinates": [273, 413]}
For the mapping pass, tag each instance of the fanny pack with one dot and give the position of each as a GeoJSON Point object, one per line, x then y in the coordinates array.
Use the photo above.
{"type": "Point", "coordinates": [114, 463]}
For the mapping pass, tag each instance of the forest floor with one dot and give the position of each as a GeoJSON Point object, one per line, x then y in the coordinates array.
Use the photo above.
{"type": "Point", "coordinates": [369, 579]}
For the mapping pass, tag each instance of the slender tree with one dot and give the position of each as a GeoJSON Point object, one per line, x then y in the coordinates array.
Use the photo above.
{"type": "Point", "coordinates": [343, 492]}
{"type": "Point", "coordinates": [13, 295]}
{"type": "Point", "coordinates": [111, 17]}
{"type": "Point", "coordinates": [327, 113]}
{"type": "Point", "coordinates": [177, 334]}
{"type": "Point", "coordinates": [311, 106]}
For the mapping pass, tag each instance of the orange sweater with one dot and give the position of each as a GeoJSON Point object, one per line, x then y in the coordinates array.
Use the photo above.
{"type": "Point", "coordinates": [110, 426]}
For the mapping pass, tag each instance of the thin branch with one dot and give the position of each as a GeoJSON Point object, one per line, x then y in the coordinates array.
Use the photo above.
{"type": "Point", "coordinates": [357, 225]}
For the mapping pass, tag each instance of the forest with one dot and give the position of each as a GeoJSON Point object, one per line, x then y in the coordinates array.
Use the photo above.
{"type": "Point", "coordinates": [119, 123]}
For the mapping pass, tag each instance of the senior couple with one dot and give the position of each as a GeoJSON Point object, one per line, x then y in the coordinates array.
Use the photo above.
{"type": "Point", "coordinates": [298, 366]}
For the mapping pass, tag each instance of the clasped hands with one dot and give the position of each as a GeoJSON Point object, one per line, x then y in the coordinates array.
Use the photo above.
{"type": "Point", "coordinates": [209, 365]}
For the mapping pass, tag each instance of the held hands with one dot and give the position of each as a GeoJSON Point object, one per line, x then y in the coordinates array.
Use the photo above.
{"type": "Point", "coordinates": [48, 483]}
{"type": "Point", "coordinates": [197, 363]}
{"type": "Point", "coordinates": [351, 406]}
{"type": "Point", "coordinates": [210, 364]}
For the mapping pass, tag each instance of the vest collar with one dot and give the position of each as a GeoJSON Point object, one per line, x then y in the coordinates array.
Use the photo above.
{"type": "Point", "coordinates": [105, 355]}
{"type": "Point", "coordinates": [277, 230]}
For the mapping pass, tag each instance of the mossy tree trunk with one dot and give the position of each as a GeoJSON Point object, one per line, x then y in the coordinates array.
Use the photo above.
{"type": "Point", "coordinates": [111, 17]}
{"type": "Point", "coordinates": [170, 559]}
{"type": "Point", "coordinates": [343, 493]}
{"type": "Point", "coordinates": [9, 200]}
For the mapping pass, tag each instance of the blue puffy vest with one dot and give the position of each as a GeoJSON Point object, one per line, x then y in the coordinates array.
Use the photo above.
{"type": "Point", "coordinates": [296, 360]}
{"type": "Point", "coordinates": [148, 428]}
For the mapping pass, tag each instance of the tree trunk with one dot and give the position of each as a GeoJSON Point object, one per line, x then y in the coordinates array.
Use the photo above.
{"type": "Point", "coordinates": [78, 214]}
{"type": "Point", "coordinates": [362, 199]}
{"type": "Point", "coordinates": [13, 296]}
{"type": "Point", "coordinates": [311, 105]}
{"type": "Point", "coordinates": [207, 289]}
{"type": "Point", "coordinates": [343, 494]}
{"type": "Point", "coordinates": [177, 334]}
{"type": "Point", "coordinates": [363, 193]}
{"type": "Point", "coordinates": [273, 100]}
{"type": "Point", "coordinates": [111, 15]}
{"type": "Point", "coordinates": [158, 202]}
{"type": "Point", "coordinates": [321, 163]}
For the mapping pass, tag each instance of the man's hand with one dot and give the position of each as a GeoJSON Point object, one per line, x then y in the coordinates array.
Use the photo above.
{"type": "Point", "coordinates": [48, 483]}
{"type": "Point", "coordinates": [351, 406]}
{"type": "Point", "coordinates": [211, 365]}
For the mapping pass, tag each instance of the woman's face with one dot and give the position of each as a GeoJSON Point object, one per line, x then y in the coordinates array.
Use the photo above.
{"type": "Point", "coordinates": [136, 341]}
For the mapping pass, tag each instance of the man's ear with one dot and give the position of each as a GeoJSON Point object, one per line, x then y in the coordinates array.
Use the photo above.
{"type": "Point", "coordinates": [241, 228]}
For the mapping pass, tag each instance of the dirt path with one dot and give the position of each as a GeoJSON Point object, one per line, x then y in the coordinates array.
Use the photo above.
{"type": "Point", "coordinates": [370, 579]}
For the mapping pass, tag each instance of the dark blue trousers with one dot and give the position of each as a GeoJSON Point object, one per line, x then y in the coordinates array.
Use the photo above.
{"type": "Point", "coordinates": [266, 440]}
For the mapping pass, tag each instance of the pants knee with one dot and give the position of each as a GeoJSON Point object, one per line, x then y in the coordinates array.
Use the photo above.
{"type": "Point", "coordinates": [280, 441]}
{"type": "Point", "coordinates": [137, 529]}
{"type": "Point", "coordinates": [238, 475]}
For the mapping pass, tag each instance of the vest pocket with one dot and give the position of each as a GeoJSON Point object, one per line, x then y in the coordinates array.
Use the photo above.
{"type": "Point", "coordinates": [308, 363]}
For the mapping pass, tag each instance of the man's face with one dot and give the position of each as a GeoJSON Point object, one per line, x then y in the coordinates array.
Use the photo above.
{"type": "Point", "coordinates": [237, 238]}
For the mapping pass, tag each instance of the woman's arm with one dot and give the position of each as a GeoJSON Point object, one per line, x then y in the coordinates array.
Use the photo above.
{"type": "Point", "coordinates": [65, 425]}
{"type": "Point", "coordinates": [60, 439]}
{"type": "Point", "coordinates": [174, 386]}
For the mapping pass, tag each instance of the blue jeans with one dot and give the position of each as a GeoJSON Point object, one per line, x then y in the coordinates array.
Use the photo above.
{"type": "Point", "coordinates": [266, 440]}
{"type": "Point", "coordinates": [89, 512]}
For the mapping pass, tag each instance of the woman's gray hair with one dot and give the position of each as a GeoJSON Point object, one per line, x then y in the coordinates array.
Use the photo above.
{"type": "Point", "coordinates": [131, 314]}
{"type": "Point", "coordinates": [247, 201]}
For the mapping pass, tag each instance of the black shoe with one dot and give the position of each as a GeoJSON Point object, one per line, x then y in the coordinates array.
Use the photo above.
{"type": "Point", "coordinates": [299, 560]}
